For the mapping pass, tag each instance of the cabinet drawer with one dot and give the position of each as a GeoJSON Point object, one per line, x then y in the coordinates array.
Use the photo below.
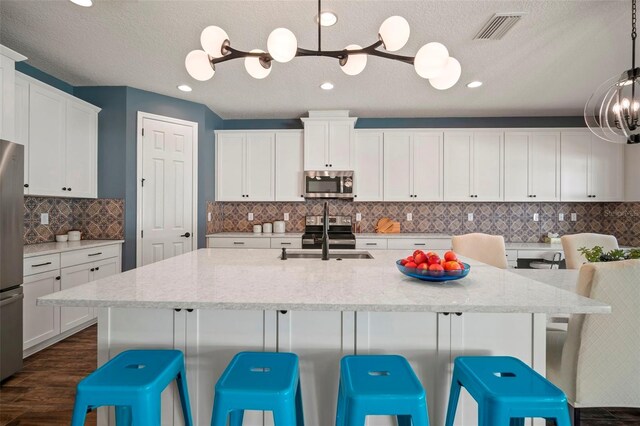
{"type": "Point", "coordinates": [261, 243]}
{"type": "Point", "coordinates": [418, 243]}
{"type": "Point", "coordinates": [78, 257]}
{"type": "Point", "coordinates": [371, 243]}
{"type": "Point", "coordinates": [534, 254]}
{"type": "Point", "coordinates": [294, 243]}
{"type": "Point", "coordinates": [512, 255]}
{"type": "Point", "coordinates": [38, 264]}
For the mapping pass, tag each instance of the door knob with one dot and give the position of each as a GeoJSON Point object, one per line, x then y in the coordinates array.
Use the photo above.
{"type": "Point", "coordinates": [186, 235]}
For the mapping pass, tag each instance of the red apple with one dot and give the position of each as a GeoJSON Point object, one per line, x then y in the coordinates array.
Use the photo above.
{"type": "Point", "coordinates": [450, 256]}
{"type": "Point", "coordinates": [417, 252]}
{"type": "Point", "coordinates": [433, 259]}
{"type": "Point", "coordinates": [436, 269]}
{"type": "Point", "coordinates": [419, 257]}
{"type": "Point", "coordinates": [410, 265]}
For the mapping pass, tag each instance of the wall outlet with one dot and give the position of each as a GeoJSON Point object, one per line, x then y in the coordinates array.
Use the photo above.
{"type": "Point", "coordinates": [358, 217]}
{"type": "Point", "coordinates": [574, 217]}
{"type": "Point", "coordinates": [250, 216]}
{"type": "Point", "coordinates": [409, 217]}
{"type": "Point", "coordinates": [208, 216]}
{"type": "Point", "coordinates": [470, 217]}
{"type": "Point", "coordinates": [536, 217]}
{"type": "Point", "coordinates": [286, 216]}
{"type": "Point", "coordinates": [44, 218]}
{"type": "Point", "coordinates": [560, 217]}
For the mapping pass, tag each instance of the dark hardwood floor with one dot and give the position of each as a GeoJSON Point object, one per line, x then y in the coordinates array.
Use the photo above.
{"type": "Point", "coordinates": [43, 392]}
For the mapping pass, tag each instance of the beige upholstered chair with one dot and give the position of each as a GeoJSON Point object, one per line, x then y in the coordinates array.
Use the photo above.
{"type": "Point", "coordinates": [571, 244]}
{"type": "Point", "coordinates": [597, 361]}
{"type": "Point", "coordinates": [482, 247]}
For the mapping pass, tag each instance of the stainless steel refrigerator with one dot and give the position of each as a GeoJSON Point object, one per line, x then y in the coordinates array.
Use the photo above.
{"type": "Point", "coordinates": [11, 258]}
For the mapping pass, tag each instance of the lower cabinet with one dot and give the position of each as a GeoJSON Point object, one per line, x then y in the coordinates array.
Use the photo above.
{"type": "Point", "coordinates": [73, 277]}
{"type": "Point", "coordinates": [40, 323]}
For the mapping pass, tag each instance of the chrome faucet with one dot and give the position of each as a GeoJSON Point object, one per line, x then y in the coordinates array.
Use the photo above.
{"type": "Point", "coordinates": [325, 232]}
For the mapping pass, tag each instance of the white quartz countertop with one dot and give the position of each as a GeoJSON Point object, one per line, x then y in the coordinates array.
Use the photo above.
{"type": "Point", "coordinates": [252, 235]}
{"type": "Point", "coordinates": [565, 279]}
{"type": "Point", "coordinates": [31, 250]}
{"type": "Point", "coordinates": [259, 280]}
{"type": "Point", "coordinates": [533, 246]}
{"type": "Point", "coordinates": [403, 235]}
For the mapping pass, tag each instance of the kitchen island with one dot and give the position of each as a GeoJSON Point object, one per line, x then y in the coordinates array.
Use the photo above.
{"type": "Point", "coordinates": [212, 303]}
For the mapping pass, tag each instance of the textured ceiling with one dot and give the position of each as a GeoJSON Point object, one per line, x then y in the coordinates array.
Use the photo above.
{"type": "Point", "coordinates": [548, 64]}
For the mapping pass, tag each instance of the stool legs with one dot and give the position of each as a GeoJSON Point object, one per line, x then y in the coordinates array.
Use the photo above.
{"type": "Point", "coordinates": [236, 417]}
{"type": "Point", "coordinates": [184, 397]}
{"type": "Point", "coordinates": [79, 412]}
{"type": "Point", "coordinates": [404, 420]}
{"type": "Point", "coordinates": [299, 411]}
{"type": "Point", "coordinates": [454, 395]}
{"type": "Point", "coordinates": [123, 415]}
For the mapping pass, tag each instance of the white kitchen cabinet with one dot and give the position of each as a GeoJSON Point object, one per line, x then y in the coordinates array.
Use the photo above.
{"type": "Point", "coordinates": [61, 133]}
{"type": "Point", "coordinates": [22, 124]}
{"type": "Point", "coordinates": [532, 166]}
{"type": "Point", "coordinates": [245, 166]}
{"type": "Point", "coordinates": [413, 166]}
{"type": "Point", "coordinates": [631, 172]}
{"type": "Point", "coordinates": [239, 242]}
{"type": "Point", "coordinates": [40, 323]}
{"type": "Point", "coordinates": [329, 144]}
{"type": "Point", "coordinates": [73, 277]}
{"type": "Point", "coordinates": [369, 152]}
{"type": "Point", "coordinates": [8, 59]}
{"type": "Point", "coordinates": [289, 166]}
{"type": "Point", "coordinates": [591, 169]}
{"type": "Point", "coordinates": [320, 339]}
{"type": "Point", "coordinates": [473, 166]}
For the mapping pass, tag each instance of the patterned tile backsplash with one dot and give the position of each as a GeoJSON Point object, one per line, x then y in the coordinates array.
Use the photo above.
{"type": "Point", "coordinates": [513, 220]}
{"type": "Point", "coordinates": [101, 219]}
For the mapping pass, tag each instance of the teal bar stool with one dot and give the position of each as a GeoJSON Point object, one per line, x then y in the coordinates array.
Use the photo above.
{"type": "Point", "coordinates": [264, 381]}
{"type": "Point", "coordinates": [380, 385]}
{"type": "Point", "coordinates": [132, 382]}
{"type": "Point", "coordinates": [507, 390]}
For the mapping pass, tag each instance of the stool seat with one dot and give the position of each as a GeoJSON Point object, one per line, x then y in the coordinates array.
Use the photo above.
{"type": "Point", "coordinates": [507, 390]}
{"type": "Point", "coordinates": [379, 385]}
{"type": "Point", "coordinates": [133, 382]}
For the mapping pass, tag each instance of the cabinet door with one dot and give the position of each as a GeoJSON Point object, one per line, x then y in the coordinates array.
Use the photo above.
{"type": "Point", "coordinates": [516, 166]}
{"type": "Point", "coordinates": [575, 150]}
{"type": "Point", "coordinates": [413, 335]}
{"type": "Point", "coordinates": [22, 124]}
{"type": "Point", "coordinates": [72, 277]}
{"type": "Point", "coordinates": [368, 171]}
{"type": "Point", "coordinates": [427, 159]}
{"type": "Point", "coordinates": [81, 146]}
{"type": "Point", "coordinates": [487, 166]}
{"type": "Point", "coordinates": [606, 178]}
{"type": "Point", "coordinates": [316, 145]}
{"type": "Point", "coordinates": [341, 145]}
{"type": "Point", "coordinates": [289, 167]}
{"type": "Point", "coordinates": [544, 166]}
{"type": "Point", "coordinates": [320, 339]}
{"type": "Point", "coordinates": [259, 167]}
{"type": "Point", "coordinates": [105, 268]}
{"type": "Point", "coordinates": [230, 162]}
{"type": "Point", "coordinates": [212, 340]}
{"type": "Point", "coordinates": [398, 167]}
{"type": "Point", "coordinates": [40, 322]}
{"type": "Point", "coordinates": [457, 166]}
{"type": "Point", "coordinates": [7, 98]}
{"type": "Point", "coordinates": [47, 134]}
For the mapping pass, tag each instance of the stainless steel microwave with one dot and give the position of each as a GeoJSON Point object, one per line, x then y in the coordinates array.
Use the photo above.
{"type": "Point", "coordinates": [328, 184]}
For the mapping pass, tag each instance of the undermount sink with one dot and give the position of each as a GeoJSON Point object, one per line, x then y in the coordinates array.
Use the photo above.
{"type": "Point", "coordinates": [353, 254]}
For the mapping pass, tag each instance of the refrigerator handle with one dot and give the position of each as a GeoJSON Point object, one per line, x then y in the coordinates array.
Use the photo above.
{"type": "Point", "coordinates": [12, 299]}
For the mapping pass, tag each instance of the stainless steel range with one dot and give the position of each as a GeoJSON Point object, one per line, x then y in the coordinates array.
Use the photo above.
{"type": "Point", "coordinates": [340, 234]}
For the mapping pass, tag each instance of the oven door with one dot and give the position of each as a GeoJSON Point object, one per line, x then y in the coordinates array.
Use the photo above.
{"type": "Point", "coordinates": [324, 184]}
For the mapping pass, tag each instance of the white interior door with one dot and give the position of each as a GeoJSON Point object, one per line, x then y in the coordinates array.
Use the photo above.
{"type": "Point", "coordinates": [167, 190]}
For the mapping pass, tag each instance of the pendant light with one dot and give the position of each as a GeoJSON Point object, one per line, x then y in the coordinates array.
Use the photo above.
{"type": "Point", "coordinates": [612, 112]}
{"type": "Point", "coordinates": [432, 61]}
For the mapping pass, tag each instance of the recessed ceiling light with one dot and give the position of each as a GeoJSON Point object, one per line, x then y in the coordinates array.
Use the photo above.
{"type": "Point", "coordinates": [327, 85]}
{"type": "Point", "coordinates": [185, 88]}
{"type": "Point", "coordinates": [327, 19]}
{"type": "Point", "coordinates": [474, 84]}
{"type": "Point", "coordinates": [83, 3]}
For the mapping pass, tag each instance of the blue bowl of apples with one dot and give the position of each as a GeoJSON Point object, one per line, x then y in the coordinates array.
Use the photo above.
{"type": "Point", "coordinates": [430, 266]}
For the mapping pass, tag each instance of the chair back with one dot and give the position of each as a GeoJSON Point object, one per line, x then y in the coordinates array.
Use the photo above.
{"type": "Point", "coordinates": [572, 243]}
{"type": "Point", "coordinates": [601, 357]}
{"type": "Point", "coordinates": [484, 248]}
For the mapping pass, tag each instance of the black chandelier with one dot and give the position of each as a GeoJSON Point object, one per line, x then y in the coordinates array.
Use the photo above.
{"type": "Point", "coordinates": [432, 61]}
{"type": "Point", "coordinates": [612, 112]}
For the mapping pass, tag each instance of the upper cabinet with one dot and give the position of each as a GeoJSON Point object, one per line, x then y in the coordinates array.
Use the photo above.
{"type": "Point", "coordinates": [473, 166]}
{"type": "Point", "coordinates": [8, 59]}
{"type": "Point", "coordinates": [245, 166]}
{"type": "Point", "coordinates": [413, 169]}
{"type": "Point", "coordinates": [532, 166]}
{"type": "Point", "coordinates": [289, 168]}
{"type": "Point", "coordinates": [329, 141]}
{"type": "Point", "coordinates": [368, 169]}
{"type": "Point", "coordinates": [60, 133]}
{"type": "Point", "coordinates": [591, 168]}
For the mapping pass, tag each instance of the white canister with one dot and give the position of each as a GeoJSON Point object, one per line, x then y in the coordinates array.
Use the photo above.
{"type": "Point", "coordinates": [267, 228]}
{"type": "Point", "coordinates": [74, 235]}
{"type": "Point", "coordinates": [257, 229]}
{"type": "Point", "coordinates": [278, 226]}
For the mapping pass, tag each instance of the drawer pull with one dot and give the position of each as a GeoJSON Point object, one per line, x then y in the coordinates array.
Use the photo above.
{"type": "Point", "coordinates": [238, 243]}
{"type": "Point", "coordinates": [41, 264]}
{"type": "Point", "coordinates": [371, 244]}
{"type": "Point", "coordinates": [94, 254]}
{"type": "Point", "coordinates": [285, 244]}
{"type": "Point", "coordinates": [419, 244]}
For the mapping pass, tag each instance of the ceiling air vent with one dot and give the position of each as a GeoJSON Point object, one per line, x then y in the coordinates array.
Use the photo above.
{"type": "Point", "coordinates": [498, 26]}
